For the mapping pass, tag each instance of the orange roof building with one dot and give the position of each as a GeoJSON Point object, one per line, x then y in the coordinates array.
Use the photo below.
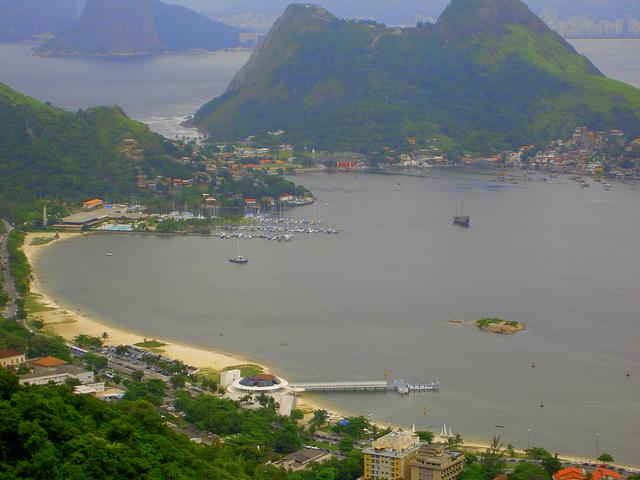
{"type": "Point", "coordinates": [93, 204]}
{"type": "Point", "coordinates": [602, 473]}
{"type": "Point", "coordinates": [570, 473]}
{"type": "Point", "coordinates": [49, 362]}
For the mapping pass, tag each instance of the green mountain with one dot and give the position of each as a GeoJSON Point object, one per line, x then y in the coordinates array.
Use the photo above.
{"type": "Point", "coordinates": [488, 75]}
{"type": "Point", "coordinates": [52, 153]}
{"type": "Point", "coordinates": [134, 27]}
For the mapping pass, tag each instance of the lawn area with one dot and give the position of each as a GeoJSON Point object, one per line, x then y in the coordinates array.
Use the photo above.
{"type": "Point", "coordinates": [150, 344]}
{"type": "Point", "coordinates": [325, 446]}
{"type": "Point", "coordinates": [42, 240]}
{"type": "Point", "coordinates": [33, 304]}
{"type": "Point", "coordinates": [247, 370]}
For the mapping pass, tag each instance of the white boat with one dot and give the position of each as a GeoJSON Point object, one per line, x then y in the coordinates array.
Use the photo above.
{"type": "Point", "coordinates": [109, 254]}
{"type": "Point", "coordinates": [239, 259]}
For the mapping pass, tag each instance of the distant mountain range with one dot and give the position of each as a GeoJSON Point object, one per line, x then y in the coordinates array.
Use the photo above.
{"type": "Point", "coordinates": [133, 27]}
{"type": "Point", "coordinates": [404, 11]}
{"type": "Point", "coordinates": [488, 75]}
{"type": "Point", "coordinates": [22, 19]}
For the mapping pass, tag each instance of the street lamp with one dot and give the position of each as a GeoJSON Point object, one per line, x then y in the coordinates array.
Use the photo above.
{"type": "Point", "coordinates": [528, 438]}
{"type": "Point", "coordinates": [597, 446]}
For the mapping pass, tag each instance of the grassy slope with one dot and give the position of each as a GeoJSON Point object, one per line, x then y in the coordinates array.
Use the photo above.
{"type": "Point", "coordinates": [359, 86]}
{"type": "Point", "coordinates": [46, 150]}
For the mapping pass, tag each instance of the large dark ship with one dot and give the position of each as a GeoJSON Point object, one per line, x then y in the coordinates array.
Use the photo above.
{"type": "Point", "coordinates": [460, 218]}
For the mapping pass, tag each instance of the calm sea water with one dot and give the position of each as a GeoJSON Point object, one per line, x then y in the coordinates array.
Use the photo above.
{"type": "Point", "coordinates": [158, 90]}
{"type": "Point", "coordinates": [379, 296]}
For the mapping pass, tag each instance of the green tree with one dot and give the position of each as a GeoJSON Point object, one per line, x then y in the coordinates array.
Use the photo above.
{"type": "Point", "coordinates": [177, 381]}
{"type": "Point", "coordinates": [425, 436]}
{"type": "Point", "coordinates": [96, 362]}
{"type": "Point", "coordinates": [297, 414]}
{"type": "Point", "coordinates": [606, 458]}
{"type": "Point", "coordinates": [537, 453]}
{"type": "Point", "coordinates": [551, 464]}
{"type": "Point", "coordinates": [529, 471]}
{"type": "Point", "coordinates": [455, 441]}
{"type": "Point", "coordinates": [345, 444]}
{"type": "Point", "coordinates": [492, 459]}
{"type": "Point", "coordinates": [122, 349]}
{"type": "Point", "coordinates": [43, 345]}
{"type": "Point", "coordinates": [320, 417]}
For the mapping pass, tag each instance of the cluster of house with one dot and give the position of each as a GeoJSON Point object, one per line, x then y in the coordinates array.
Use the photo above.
{"type": "Point", "coordinates": [588, 152]}
{"type": "Point", "coordinates": [585, 152]}
{"type": "Point", "coordinates": [577, 473]}
{"type": "Point", "coordinates": [52, 370]}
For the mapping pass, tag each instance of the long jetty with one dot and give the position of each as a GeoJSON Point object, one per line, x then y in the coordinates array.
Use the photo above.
{"type": "Point", "coordinates": [399, 386]}
{"type": "Point", "coordinates": [370, 386]}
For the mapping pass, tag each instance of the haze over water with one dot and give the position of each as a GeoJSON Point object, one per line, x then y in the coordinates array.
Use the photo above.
{"type": "Point", "coordinates": [379, 296]}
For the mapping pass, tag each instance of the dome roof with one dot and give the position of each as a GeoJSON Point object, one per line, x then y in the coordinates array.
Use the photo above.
{"type": "Point", "coordinates": [261, 380]}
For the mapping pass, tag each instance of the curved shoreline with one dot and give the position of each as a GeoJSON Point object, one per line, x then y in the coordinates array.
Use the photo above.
{"type": "Point", "coordinates": [68, 323]}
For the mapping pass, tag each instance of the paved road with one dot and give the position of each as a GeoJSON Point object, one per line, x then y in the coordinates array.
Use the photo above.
{"type": "Point", "coordinates": [11, 307]}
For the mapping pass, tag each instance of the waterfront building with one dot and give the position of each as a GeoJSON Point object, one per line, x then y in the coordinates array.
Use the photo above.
{"type": "Point", "coordinates": [433, 462]}
{"type": "Point", "coordinates": [390, 457]}
{"type": "Point", "coordinates": [11, 358]}
{"type": "Point", "coordinates": [261, 383]}
{"type": "Point", "coordinates": [93, 204]}
{"type": "Point", "coordinates": [229, 376]}
{"type": "Point", "coordinates": [47, 362]}
{"type": "Point", "coordinates": [570, 473]}
{"type": "Point", "coordinates": [577, 473]}
{"type": "Point", "coordinates": [58, 375]}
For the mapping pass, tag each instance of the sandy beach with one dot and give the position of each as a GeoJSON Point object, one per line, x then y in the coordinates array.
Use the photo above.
{"type": "Point", "coordinates": [68, 323]}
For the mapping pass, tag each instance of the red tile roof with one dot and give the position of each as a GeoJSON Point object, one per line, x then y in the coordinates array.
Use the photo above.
{"type": "Point", "coordinates": [570, 473]}
{"type": "Point", "coordinates": [7, 353]}
{"type": "Point", "coordinates": [49, 362]}
{"type": "Point", "coordinates": [601, 473]}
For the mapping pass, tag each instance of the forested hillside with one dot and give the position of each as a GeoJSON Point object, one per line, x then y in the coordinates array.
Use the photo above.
{"type": "Point", "coordinates": [488, 75]}
{"type": "Point", "coordinates": [46, 151]}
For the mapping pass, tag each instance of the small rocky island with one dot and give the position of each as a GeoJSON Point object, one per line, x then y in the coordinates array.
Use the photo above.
{"type": "Point", "coordinates": [499, 326]}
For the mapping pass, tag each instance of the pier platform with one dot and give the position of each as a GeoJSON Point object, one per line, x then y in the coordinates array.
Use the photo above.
{"type": "Point", "coordinates": [366, 386]}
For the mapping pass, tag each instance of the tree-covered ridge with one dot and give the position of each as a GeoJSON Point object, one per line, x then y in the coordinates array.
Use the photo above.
{"type": "Point", "coordinates": [47, 432]}
{"type": "Point", "coordinates": [501, 80]}
{"type": "Point", "coordinates": [46, 151]}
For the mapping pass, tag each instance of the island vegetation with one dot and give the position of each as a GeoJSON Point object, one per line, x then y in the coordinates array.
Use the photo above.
{"type": "Point", "coordinates": [500, 326]}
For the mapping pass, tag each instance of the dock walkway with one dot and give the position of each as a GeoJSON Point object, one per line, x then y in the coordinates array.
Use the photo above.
{"type": "Point", "coordinates": [367, 386]}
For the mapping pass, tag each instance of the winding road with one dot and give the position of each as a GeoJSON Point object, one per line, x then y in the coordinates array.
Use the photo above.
{"type": "Point", "coordinates": [8, 285]}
